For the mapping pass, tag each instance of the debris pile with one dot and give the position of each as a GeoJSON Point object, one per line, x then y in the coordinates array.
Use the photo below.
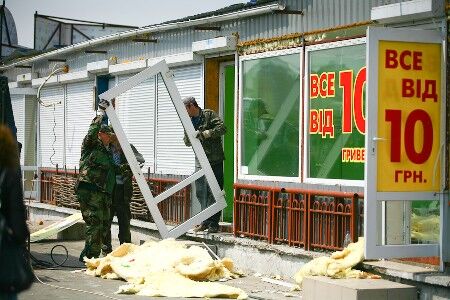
{"type": "Point", "coordinates": [167, 268]}
{"type": "Point", "coordinates": [338, 265]}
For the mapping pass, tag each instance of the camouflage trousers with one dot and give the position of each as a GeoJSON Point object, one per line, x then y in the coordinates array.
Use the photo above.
{"type": "Point", "coordinates": [121, 208]}
{"type": "Point", "coordinates": [94, 206]}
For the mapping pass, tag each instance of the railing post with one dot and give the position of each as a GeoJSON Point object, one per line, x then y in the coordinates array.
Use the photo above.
{"type": "Point", "coordinates": [270, 215]}
{"type": "Point", "coordinates": [355, 217]}
{"type": "Point", "coordinates": [309, 226]}
{"type": "Point", "coordinates": [234, 211]}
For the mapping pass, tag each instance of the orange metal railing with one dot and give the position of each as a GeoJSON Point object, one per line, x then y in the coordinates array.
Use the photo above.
{"type": "Point", "coordinates": [57, 188]}
{"type": "Point", "coordinates": [251, 212]}
{"type": "Point", "coordinates": [289, 221]}
{"type": "Point", "coordinates": [330, 220]}
{"type": "Point", "coordinates": [306, 218]}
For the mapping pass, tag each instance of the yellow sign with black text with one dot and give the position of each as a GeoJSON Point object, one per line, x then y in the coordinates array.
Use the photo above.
{"type": "Point", "coordinates": [409, 116]}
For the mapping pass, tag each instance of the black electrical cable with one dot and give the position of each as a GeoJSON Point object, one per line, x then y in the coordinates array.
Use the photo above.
{"type": "Point", "coordinates": [43, 264]}
{"type": "Point", "coordinates": [65, 258]}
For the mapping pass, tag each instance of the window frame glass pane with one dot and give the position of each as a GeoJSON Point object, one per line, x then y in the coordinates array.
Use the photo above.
{"type": "Point", "coordinates": [337, 121]}
{"type": "Point", "coordinates": [243, 170]}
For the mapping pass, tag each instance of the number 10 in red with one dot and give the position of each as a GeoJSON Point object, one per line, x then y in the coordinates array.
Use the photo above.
{"type": "Point", "coordinates": [394, 116]}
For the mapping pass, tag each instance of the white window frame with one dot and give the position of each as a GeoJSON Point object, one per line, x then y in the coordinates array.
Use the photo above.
{"type": "Point", "coordinates": [372, 198]}
{"type": "Point", "coordinates": [164, 230]}
{"type": "Point", "coordinates": [240, 173]}
{"type": "Point", "coordinates": [306, 99]}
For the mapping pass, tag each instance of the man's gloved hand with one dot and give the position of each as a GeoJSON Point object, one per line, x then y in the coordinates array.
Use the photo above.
{"type": "Point", "coordinates": [125, 170]}
{"type": "Point", "coordinates": [199, 135]}
{"type": "Point", "coordinates": [203, 135]}
{"type": "Point", "coordinates": [103, 104]}
{"type": "Point", "coordinates": [206, 134]}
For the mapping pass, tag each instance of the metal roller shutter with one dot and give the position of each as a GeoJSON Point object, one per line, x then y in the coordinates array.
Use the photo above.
{"type": "Point", "coordinates": [136, 112]}
{"type": "Point", "coordinates": [172, 156]}
{"type": "Point", "coordinates": [29, 146]}
{"type": "Point", "coordinates": [79, 115]}
{"type": "Point", "coordinates": [18, 107]}
{"type": "Point", "coordinates": [52, 127]}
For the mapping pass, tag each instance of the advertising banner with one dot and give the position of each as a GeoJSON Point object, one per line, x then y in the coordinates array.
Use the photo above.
{"type": "Point", "coordinates": [337, 80]}
{"type": "Point", "coordinates": [409, 116]}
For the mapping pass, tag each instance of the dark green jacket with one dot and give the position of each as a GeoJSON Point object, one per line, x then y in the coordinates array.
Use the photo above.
{"type": "Point", "coordinates": [209, 120]}
{"type": "Point", "coordinates": [96, 164]}
{"type": "Point", "coordinates": [125, 170]}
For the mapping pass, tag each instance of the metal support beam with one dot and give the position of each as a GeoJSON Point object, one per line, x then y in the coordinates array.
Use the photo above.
{"type": "Point", "coordinates": [57, 60]}
{"type": "Point", "coordinates": [144, 40]}
{"type": "Point", "coordinates": [290, 12]}
{"type": "Point", "coordinates": [95, 51]}
{"type": "Point", "coordinates": [214, 28]}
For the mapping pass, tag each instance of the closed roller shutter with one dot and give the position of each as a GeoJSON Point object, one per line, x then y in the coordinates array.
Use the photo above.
{"type": "Point", "coordinates": [52, 132]}
{"type": "Point", "coordinates": [29, 146]}
{"type": "Point", "coordinates": [136, 112]}
{"type": "Point", "coordinates": [172, 156]}
{"type": "Point", "coordinates": [18, 107]}
{"type": "Point", "coordinates": [79, 115]}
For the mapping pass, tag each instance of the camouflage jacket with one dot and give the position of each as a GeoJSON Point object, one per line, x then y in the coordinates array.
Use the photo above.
{"type": "Point", "coordinates": [96, 163]}
{"type": "Point", "coordinates": [209, 120]}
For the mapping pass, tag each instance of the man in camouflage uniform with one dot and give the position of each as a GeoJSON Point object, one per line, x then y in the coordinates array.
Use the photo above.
{"type": "Point", "coordinates": [121, 197]}
{"type": "Point", "coordinates": [95, 185]}
{"type": "Point", "coordinates": [209, 130]}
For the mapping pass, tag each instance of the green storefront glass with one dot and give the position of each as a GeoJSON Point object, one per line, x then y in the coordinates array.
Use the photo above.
{"type": "Point", "coordinates": [270, 123]}
{"type": "Point", "coordinates": [336, 127]}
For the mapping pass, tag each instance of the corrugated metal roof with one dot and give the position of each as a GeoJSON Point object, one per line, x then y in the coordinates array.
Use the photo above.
{"type": "Point", "coordinates": [224, 10]}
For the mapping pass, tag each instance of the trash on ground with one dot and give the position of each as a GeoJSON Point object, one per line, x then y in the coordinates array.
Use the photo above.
{"type": "Point", "coordinates": [167, 268]}
{"type": "Point", "coordinates": [338, 265]}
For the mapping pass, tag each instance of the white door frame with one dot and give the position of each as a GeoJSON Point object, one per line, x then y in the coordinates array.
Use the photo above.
{"type": "Point", "coordinates": [373, 198]}
{"type": "Point", "coordinates": [164, 230]}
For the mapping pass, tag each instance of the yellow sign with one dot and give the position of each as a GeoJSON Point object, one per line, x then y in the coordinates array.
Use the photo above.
{"type": "Point", "coordinates": [409, 116]}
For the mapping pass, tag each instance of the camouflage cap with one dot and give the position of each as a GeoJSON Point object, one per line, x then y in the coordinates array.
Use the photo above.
{"type": "Point", "coordinates": [106, 129]}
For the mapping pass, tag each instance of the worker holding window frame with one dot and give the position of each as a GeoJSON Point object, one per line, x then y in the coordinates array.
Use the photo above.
{"type": "Point", "coordinates": [95, 185]}
{"type": "Point", "coordinates": [209, 130]}
{"type": "Point", "coordinates": [122, 191]}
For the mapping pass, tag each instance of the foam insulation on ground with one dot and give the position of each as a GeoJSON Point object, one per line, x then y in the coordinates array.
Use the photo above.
{"type": "Point", "coordinates": [338, 265]}
{"type": "Point", "coordinates": [167, 268]}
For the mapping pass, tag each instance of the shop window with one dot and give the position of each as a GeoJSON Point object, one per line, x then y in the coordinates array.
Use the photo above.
{"type": "Point", "coordinates": [335, 113]}
{"type": "Point", "coordinates": [270, 114]}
